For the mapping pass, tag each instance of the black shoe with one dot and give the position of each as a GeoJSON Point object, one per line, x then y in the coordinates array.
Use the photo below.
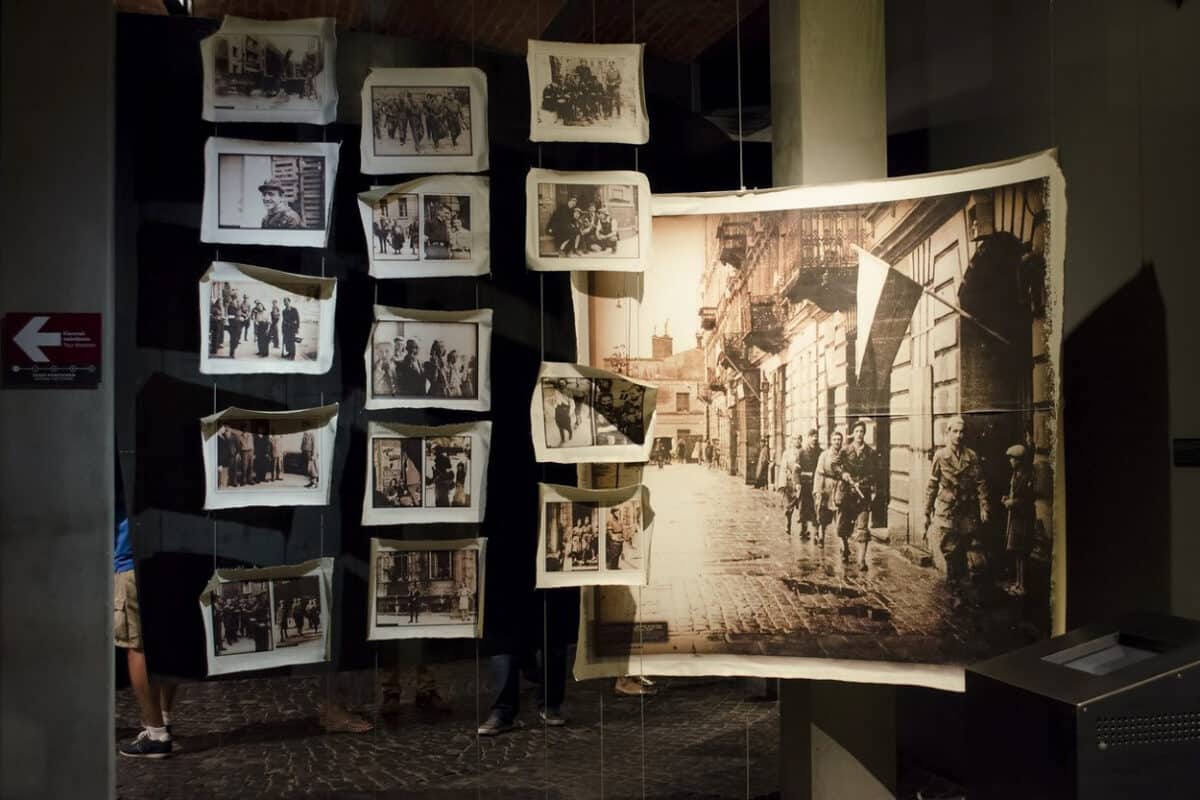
{"type": "Point", "coordinates": [145, 747]}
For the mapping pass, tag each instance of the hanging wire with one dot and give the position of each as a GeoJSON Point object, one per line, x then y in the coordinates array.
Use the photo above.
{"type": "Point", "coordinates": [737, 4]}
{"type": "Point", "coordinates": [633, 38]}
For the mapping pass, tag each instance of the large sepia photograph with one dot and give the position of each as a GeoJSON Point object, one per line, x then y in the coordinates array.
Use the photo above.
{"type": "Point", "coordinates": [424, 120]}
{"type": "Point", "coordinates": [276, 193]}
{"type": "Point", "coordinates": [427, 228]}
{"type": "Point", "coordinates": [856, 427]}
{"type": "Point", "coordinates": [581, 414]}
{"type": "Point", "coordinates": [268, 458]}
{"type": "Point", "coordinates": [267, 617]}
{"type": "Point", "coordinates": [579, 221]}
{"type": "Point", "coordinates": [593, 537]}
{"type": "Point", "coordinates": [426, 589]}
{"type": "Point", "coordinates": [429, 359]}
{"type": "Point", "coordinates": [586, 93]}
{"type": "Point", "coordinates": [256, 320]}
{"type": "Point", "coordinates": [421, 474]}
{"type": "Point", "coordinates": [271, 71]}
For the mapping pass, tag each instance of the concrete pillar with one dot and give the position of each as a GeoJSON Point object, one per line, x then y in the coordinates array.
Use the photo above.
{"type": "Point", "coordinates": [829, 124]}
{"type": "Point", "coordinates": [56, 463]}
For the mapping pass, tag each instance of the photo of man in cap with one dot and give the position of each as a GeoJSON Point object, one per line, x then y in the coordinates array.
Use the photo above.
{"type": "Point", "coordinates": [800, 467]}
{"type": "Point", "coordinates": [956, 501]}
{"type": "Point", "coordinates": [279, 213]}
{"type": "Point", "coordinates": [854, 491]}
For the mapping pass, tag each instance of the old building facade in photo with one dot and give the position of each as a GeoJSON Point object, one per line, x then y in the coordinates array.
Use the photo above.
{"type": "Point", "coordinates": [793, 338]}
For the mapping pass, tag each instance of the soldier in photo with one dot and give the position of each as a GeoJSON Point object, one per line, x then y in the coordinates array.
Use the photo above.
{"type": "Point", "coordinates": [956, 502]}
{"type": "Point", "coordinates": [279, 213]}
{"type": "Point", "coordinates": [291, 326]}
{"type": "Point", "coordinates": [799, 471]}
{"type": "Point", "coordinates": [856, 485]}
{"type": "Point", "coordinates": [244, 318]}
{"type": "Point", "coordinates": [276, 314]}
{"type": "Point", "coordinates": [308, 448]}
{"type": "Point", "coordinates": [261, 321]}
{"type": "Point", "coordinates": [216, 326]}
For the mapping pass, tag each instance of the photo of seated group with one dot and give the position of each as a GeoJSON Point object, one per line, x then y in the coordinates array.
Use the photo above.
{"type": "Point", "coordinates": [592, 412]}
{"type": "Point", "coordinates": [407, 226]}
{"type": "Point", "coordinates": [592, 537]}
{"type": "Point", "coordinates": [258, 616]}
{"type": "Point", "coordinates": [425, 589]}
{"type": "Point", "coordinates": [578, 219]}
{"type": "Point", "coordinates": [414, 472]}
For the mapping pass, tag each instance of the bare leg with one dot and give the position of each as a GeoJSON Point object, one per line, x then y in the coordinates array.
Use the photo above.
{"type": "Point", "coordinates": [334, 716]}
{"type": "Point", "coordinates": [166, 697]}
{"type": "Point", "coordinates": [148, 698]}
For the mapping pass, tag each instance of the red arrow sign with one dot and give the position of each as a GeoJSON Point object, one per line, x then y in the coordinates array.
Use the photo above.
{"type": "Point", "coordinates": [50, 350]}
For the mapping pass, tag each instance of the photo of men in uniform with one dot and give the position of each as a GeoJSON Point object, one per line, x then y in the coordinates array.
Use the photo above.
{"type": "Point", "coordinates": [576, 219]}
{"type": "Point", "coordinates": [446, 227]}
{"type": "Point", "coordinates": [426, 587]}
{"type": "Point", "coordinates": [265, 71]}
{"type": "Point", "coordinates": [266, 454]}
{"type": "Point", "coordinates": [572, 537]}
{"type": "Point", "coordinates": [421, 120]}
{"type": "Point", "coordinates": [396, 228]}
{"type": "Point", "coordinates": [598, 92]}
{"type": "Point", "coordinates": [241, 618]}
{"type": "Point", "coordinates": [623, 536]}
{"type": "Point", "coordinates": [255, 321]}
{"type": "Point", "coordinates": [297, 613]}
{"type": "Point", "coordinates": [271, 192]}
{"type": "Point", "coordinates": [425, 359]}
{"type": "Point", "coordinates": [397, 473]}
{"type": "Point", "coordinates": [448, 472]}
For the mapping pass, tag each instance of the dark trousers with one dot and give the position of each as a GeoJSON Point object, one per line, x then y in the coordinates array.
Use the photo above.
{"type": "Point", "coordinates": [506, 680]}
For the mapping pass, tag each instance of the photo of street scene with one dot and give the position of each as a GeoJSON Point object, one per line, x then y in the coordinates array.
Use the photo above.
{"type": "Point", "coordinates": [588, 412]}
{"type": "Point", "coordinates": [258, 321]}
{"type": "Point", "coordinates": [297, 613]}
{"type": "Point", "coordinates": [267, 71]}
{"type": "Point", "coordinates": [853, 452]}
{"type": "Point", "coordinates": [415, 588]}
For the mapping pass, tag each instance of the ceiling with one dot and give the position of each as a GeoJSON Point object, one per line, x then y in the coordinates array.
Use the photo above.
{"type": "Point", "coordinates": [673, 30]}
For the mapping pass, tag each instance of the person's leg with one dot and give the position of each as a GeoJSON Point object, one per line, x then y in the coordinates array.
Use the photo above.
{"type": "Point", "coordinates": [506, 675]}
{"type": "Point", "coordinates": [554, 664]}
{"type": "Point", "coordinates": [147, 696]}
{"type": "Point", "coordinates": [862, 528]}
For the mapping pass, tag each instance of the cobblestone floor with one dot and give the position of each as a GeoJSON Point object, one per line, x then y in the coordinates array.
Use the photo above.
{"type": "Point", "coordinates": [727, 578]}
{"type": "Point", "coordinates": [261, 738]}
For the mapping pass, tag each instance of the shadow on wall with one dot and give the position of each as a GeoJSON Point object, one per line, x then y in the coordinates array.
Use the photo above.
{"type": "Point", "coordinates": [1115, 415]}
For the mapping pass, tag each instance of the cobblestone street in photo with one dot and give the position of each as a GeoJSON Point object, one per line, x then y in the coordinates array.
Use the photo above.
{"type": "Point", "coordinates": [726, 577]}
{"type": "Point", "coordinates": [261, 738]}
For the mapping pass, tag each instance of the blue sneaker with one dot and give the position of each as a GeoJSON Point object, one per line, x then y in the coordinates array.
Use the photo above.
{"type": "Point", "coordinates": [145, 747]}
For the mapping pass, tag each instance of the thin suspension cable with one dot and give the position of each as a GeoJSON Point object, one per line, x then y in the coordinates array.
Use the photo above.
{"type": "Point", "coordinates": [738, 36]}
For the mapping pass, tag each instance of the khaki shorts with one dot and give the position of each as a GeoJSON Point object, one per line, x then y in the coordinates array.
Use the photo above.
{"type": "Point", "coordinates": [127, 621]}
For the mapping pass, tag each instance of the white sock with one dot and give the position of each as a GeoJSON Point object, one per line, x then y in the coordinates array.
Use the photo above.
{"type": "Point", "coordinates": [157, 734]}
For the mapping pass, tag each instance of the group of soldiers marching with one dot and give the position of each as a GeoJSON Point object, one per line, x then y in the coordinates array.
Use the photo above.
{"type": "Point", "coordinates": [231, 320]}
{"type": "Point", "coordinates": [299, 611]}
{"type": "Point", "coordinates": [421, 116]}
{"type": "Point", "coordinates": [836, 486]}
{"type": "Point", "coordinates": [582, 96]}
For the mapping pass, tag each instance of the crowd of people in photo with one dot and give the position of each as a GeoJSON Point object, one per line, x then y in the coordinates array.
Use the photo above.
{"type": "Point", "coordinates": [587, 93]}
{"type": "Point", "coordinates": [251, 455]}
{"type": "Point", "coordinates": [401, 372]}
{"type": "Point", "coordinates": [583, 231]}
{"type": "Point", "coordinates": [243, 616]}
{"type": "Point", "coordinates": [294, 615]}
{"type": "Point", "coordinates": [422, 116]}
{"type": "Point", "coordinates": [232, 318]}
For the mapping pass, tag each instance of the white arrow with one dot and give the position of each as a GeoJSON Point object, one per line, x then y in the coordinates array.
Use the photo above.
{"type": "Point", "coordinates": [32, 339]}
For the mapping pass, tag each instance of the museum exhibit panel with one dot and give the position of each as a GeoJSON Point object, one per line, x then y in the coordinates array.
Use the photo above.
{"type": "Point", "coordinates": [809, 442]}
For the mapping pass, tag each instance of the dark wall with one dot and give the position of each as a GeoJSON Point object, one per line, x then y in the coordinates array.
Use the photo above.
{"type": "Point", "coordinates": [161, 394]}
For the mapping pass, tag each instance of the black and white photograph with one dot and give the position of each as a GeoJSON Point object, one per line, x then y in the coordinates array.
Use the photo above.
{"type": "Point", "coordinates": [572, 537]}
{"type": "Point", "coordinates": [589, 537]}
{"type": "Point", "coordinates": [426, 589]}
{"type": "Point", "coordinates": [426, 474]}
{"type": "Point", "coordinates": [424, 120]}
{"type": "Point", "coordinates": [255, 320]}
{"type": "Point", "coordinates": [263, 617]}
{"type": "Point", "coordinates": [271, 71]}
{"type": "Point", "coordinates": [583, 221]}
{"type": "Point", "coordinates": [586, 93]}
{"type": "Point", "coordinates": [241, 618]}
{"type": "Point", "coordinates": [268, 192]}
{"type": "Point", "coordinates": [261, 458]}
{"type": "Point", "coordinates": [427, 228]}
{"type": "Point", "coordinates": [296, 613]}
{"type": "Point", "coordinates": [429, 359]}
{"type": "Point", "coordinates": [856, 426]}
{"type": "Point", "coordinates": [580, 414]}
{"type": "Point", "coordinates": [397, 481]}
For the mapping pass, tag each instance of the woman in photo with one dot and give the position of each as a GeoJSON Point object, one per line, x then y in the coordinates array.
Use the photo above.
{"type": "Point", "coordinates": [436, 372]}
{"type": "Point", "coordinates": [460, 485]}
{"type": "Point", "coordinates": [562, 411]}
{"type": "Point", "coordinates": [454, 377]}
